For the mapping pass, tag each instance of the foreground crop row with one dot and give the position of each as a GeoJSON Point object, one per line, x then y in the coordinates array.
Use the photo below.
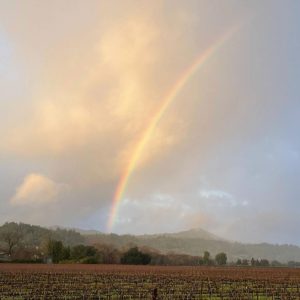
{"type": "Point", "coordinates": [130, 282]}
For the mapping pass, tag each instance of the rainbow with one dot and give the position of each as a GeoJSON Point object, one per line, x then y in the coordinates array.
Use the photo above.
{"type": "Point", "coordinates": [164, 104]}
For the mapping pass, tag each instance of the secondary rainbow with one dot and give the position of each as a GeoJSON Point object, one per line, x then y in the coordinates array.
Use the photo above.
{"type": "Point", "coordinates": [164, 104]}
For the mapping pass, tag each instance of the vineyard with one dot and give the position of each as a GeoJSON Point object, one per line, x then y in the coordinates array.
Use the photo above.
{"type": "Point", "coordinates": [146, 282]}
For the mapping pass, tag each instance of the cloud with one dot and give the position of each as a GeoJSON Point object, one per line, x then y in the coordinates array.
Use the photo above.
{"type": "Point", "coordinates": [220, 198]}
{"type": "Point", "coordinates": [37, 189]}
{"type": "Point", "coordinates": [161, 212]}
{"type": "Point", "coordinates": [83, 88]}
{"type": "Point", "coordinates": [263, 226]}
{"type": "Point", "coordinates": [95, 99]}
{"type": "Point", "coordinates": [214, 194]}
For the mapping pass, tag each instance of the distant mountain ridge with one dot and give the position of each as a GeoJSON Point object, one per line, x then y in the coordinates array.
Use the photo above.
{"type": "Point", "coordinates": [191, 242]}
{"type": "Point", "coordinates": [196, 241]}
{"type": "Point", "coordinates": [194, 233]}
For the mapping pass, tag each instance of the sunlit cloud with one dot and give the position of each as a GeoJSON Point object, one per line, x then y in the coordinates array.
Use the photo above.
{"type": "Point", "coordinates": [78, 93]}
{"type": "Point", "coordinates": [37, 189]}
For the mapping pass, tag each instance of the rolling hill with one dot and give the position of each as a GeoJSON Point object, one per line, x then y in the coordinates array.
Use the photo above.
{"type": "Point", "coordinates": [192, 242]}
{"type": "Point", "coordinates": [196, 241]}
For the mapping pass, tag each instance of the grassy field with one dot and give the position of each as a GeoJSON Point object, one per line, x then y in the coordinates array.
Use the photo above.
{"type": "Point", "coordinates": [24, 281]}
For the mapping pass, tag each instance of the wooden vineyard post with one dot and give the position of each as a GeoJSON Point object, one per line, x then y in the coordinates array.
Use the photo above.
{"type": "Point", "coordinates": [154, 294]}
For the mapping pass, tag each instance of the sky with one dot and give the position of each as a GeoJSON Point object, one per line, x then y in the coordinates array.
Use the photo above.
{"type": "Point", "coordinates": [80, 82]}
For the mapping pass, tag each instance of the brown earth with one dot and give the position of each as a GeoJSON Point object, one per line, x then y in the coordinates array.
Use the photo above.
{"type": "Point", "coordinates": [76, 281]}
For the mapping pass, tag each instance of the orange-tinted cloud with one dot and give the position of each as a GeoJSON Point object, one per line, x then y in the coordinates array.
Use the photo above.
{"type": "Point", "coordinates": [37, 189]}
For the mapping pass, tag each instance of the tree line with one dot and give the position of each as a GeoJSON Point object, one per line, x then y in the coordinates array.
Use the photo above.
{"type": "Point", "coordinates": [27, 243]}
{"type": "Point", "coordinates": [58, 253]}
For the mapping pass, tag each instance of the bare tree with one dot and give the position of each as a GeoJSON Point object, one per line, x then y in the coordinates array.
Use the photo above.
{"type": "Point", "coordinates": [11, 235]}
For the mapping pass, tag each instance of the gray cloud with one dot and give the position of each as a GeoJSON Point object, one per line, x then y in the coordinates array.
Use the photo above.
{"type": "Point", "coordinates": [79, 91]}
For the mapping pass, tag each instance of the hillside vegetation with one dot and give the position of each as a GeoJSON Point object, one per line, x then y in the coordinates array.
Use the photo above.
{"type": "Point", "coordinates": [23, 240]}
{"type": "Point", "coordinates": [195, 242]}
